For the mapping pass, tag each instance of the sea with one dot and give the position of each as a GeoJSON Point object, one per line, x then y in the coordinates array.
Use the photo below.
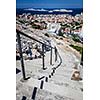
{"type": "Point", "coordinates": [71, 11]}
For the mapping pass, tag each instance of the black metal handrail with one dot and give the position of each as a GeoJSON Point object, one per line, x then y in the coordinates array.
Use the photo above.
{"type": "Point", "coordinates": [43, 44]}
{"type": "Point", "coordinates": [32, 38]}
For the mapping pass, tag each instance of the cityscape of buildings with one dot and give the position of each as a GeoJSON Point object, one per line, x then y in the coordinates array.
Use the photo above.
{"type": "Point", "coordinates": [65, 24]}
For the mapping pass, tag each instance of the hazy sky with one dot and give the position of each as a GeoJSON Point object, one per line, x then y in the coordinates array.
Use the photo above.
{"type": "Point", "coordinates": [49, 3]}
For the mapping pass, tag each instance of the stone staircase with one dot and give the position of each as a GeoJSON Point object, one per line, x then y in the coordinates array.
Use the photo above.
{"type": "Point", "coordinates": [54, 83]}
{"type": "Point", "coordinates": [50, 91]}
{"type": "Point", "coordinates": [58, 87]}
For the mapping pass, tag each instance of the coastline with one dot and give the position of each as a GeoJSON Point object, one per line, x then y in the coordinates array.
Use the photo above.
{"type": "Point", "coordinates": [70, 11]}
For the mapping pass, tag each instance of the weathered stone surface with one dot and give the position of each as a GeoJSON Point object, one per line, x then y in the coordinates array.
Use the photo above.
{"type": "Point", "coordinates": [60, 81]}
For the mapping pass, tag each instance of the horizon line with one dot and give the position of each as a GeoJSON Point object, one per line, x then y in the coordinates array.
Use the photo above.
{"type": "Point", "coordinates": [48, 8]}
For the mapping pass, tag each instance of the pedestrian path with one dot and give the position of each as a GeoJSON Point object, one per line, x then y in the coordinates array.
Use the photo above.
{"type": "Point", "coordinates": [58, 86]}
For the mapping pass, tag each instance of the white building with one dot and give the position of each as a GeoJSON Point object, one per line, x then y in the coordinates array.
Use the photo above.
{"type": "Point", "coordinates": [53, 27]}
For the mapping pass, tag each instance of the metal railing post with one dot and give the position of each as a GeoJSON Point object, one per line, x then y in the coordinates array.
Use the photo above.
{"type": "Point", "coordinates": [55, 54]}
{"type": "Point", "coordinates": [41, 85]}
{"type": "Point", "coordinates": [21, 56]}
{"type": "Point", "coordinates": [46, 79]}
{"type": "Point", "coordinates": [81, 62]}
{"type": "Point", "coordinates": [51, 57]}
{"type": "Point", "coordinates": [43, 56]}
{"type": "Point", "coordinates": [34, 93]}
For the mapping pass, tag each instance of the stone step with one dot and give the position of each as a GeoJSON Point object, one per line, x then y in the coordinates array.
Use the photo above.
{"type": "Point", "coordinates": [63, 91]}
{"type": "Point", "coordinates": [56, 89]}
{"type": "Point", "coordinates": [46, 95]}
{"type": "Point", "coordinates": [66, 81]}
{"type": "Point", "coordinates": [40, 94]}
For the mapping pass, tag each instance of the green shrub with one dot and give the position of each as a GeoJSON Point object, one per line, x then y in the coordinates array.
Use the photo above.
{"type": "Point", "coordinates": [75, 37]}
{"type": "Point", "coordinates": [80, 49]}
{"type": "Point", "coordinates": [22, 21]}
{"type": "Point", "coordinates": [36, 26]}
{"type": "Point", "coordinates": [60, 34]}
{"type": "Point", "coordinates": [77, 23]}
